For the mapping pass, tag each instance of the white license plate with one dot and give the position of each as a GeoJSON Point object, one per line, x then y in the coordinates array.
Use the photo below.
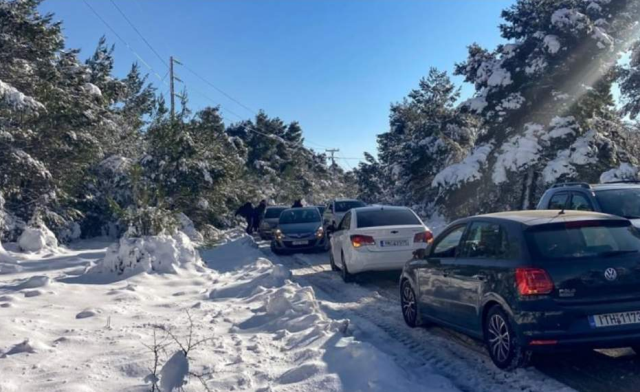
{"type": "Point", "coordinates": [392, 243]}
{"type": "Point", "coordinates": [614, 319]}
{"type": "Point", "coordinates": [295, 243]}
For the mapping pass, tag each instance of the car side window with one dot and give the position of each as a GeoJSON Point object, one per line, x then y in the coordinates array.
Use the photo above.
{"type": "Point", "coordinates": [346, 222]}
{"type": "Point", "coordinates": [558, 201]}
{"type": "Point", "coordinates": [579, 202]}
{"type": "Point", "coordinates": [486, 241]}
{"type": "Point", "coordinates": [448, 245]}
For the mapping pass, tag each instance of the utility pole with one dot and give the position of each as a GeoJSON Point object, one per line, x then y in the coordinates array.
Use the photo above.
{"type": "Point", "coordinates": [172, 80]}
{"type": "Point", "coordinates": [172, 88]}
{"type": "Point", "coordinates": [332, 151]}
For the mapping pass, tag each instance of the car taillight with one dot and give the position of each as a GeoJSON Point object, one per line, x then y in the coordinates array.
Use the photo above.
{"type": "Point", "coordinates": [533, 281]}
{"type": "Point", "coordinates": [361, 240]}
{"type": "Point", "coordinates": [425, 236]}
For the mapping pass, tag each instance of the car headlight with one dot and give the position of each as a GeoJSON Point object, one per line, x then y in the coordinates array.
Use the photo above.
{"type": "Point", "coordinates": [278, 234]}
{"type": "Point", "coordinates": [320, 233]}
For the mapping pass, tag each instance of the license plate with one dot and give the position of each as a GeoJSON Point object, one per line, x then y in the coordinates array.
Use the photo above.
{"type": "Point", "coordinates": [295, 243]}
{"type": "Point", "coordinates": [614, 319]}
{"type": "Point", "coordinates": [392, 243]}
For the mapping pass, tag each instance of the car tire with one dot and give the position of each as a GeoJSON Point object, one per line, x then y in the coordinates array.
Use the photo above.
{"type": "Point", "coordinates": [409, 305]}
{"type": "Point", "coordinates": [346, 275]}
{"type": "Point", "coordinates": [501, 341]}
{"type": "Point", "coordinates": [332, 262]}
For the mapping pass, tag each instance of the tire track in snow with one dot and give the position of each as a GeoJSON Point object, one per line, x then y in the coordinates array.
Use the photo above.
{"type": "Point", "coordinates": [375, 314]}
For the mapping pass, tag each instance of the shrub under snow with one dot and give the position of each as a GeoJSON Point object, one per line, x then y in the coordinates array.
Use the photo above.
{"type": "Point", "coordinates": [161, 253]}
{"type": "Point", "coordinates": [37, 239]}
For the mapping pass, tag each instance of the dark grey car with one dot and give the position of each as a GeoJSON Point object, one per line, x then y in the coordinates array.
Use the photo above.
{"type": "Point", "coordinates": [270, 221]}
{"type": "Point", "coordinates": [530, 281]}
{"type": "Point", "coordinates": [617, 198]}
{"type": "Point", "coordinates": [299, 230]}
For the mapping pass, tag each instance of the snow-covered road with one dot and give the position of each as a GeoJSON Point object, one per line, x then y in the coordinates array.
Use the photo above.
{"type": "Point", "coordinates": [372, 306]}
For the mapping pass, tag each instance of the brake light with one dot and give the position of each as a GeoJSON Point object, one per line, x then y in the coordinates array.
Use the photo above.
{"type": "Point", "coordinates": [533, 281]}
{"type": "Point", "coordinates": [580, 224]}
{"type": "Point", "coordinates": [361, 240]}
{"type": "Point", "coordinates": [425, 237]}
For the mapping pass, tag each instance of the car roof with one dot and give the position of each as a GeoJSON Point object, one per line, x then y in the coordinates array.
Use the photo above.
{"type": "Point", "coordinates": [540, 217]}
{"type": "Point", "coordinates": [285, 207]}
{"type": "Point", "coordinates": [302, 208]}
{"type": "Point", "coordinates": [376, 208]}
{"type": "Point", "coordinates": [596, 187]}
{"type": "Point", "coordinates": [345, 199]}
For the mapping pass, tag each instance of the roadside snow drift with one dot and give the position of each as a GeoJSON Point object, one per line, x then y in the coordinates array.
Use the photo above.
{"type": "Point", "coordinates": [160, 253]}
{"type": "Point", "coordinates": [244, 327]}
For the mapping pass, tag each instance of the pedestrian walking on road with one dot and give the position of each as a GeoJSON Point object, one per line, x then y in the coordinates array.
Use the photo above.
{"type": "Point", "coordinates": [258, 214]}
{"type": "Point", "coordinates": [297, 204]}
{"type": "Point", "coordinates": [246, 211]}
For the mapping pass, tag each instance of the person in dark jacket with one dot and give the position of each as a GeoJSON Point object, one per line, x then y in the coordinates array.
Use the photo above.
{"type": "Point", "coordinates": [246, 211]}
{"type": "Point", "coordinates": [258, 214]}
{"type": "Point", "coordinates": [297, 204]}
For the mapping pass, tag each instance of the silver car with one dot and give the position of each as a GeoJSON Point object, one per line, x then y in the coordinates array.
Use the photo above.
{"type": "Point", "coordinates": [270, 221]}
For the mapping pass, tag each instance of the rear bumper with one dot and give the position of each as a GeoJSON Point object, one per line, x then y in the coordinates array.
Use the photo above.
{"type": "Point", "coordinates": [570, 329]}
{"type": "Point", "coordinates": [364, 260]}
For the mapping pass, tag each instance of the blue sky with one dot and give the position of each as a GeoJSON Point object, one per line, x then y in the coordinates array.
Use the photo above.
{"type": "Point", "coordinates": [334, 66]}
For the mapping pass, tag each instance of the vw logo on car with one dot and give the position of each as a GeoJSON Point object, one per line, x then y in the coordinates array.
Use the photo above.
{"type": "Point", "coordinates": [610, 274]}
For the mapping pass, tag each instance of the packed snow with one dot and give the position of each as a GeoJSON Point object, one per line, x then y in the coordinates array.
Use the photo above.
{"type": "Point", "coordinates": [37, 239]}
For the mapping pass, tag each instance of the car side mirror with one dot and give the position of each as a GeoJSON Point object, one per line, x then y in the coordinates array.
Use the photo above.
{"type": "Point", "coordinates": [419, 254]}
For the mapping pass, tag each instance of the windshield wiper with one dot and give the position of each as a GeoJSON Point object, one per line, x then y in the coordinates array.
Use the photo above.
{"type": "Point", "coordinates": [616, 253]}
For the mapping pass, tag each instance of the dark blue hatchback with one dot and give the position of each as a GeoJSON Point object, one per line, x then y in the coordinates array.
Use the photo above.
{"type": "Point", "coordinates": [530, 281]}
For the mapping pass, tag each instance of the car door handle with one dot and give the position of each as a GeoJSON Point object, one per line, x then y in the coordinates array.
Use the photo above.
{"type": "Point", "coordinates": [480, 277]}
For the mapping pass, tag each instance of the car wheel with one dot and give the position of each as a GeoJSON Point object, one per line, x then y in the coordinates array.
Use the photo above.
{"type": "Point", "coordinates": [504, 349]}
{"type": "Point", "coordinates": [409, 304]}
{"type": "Point", "coordinates": [346, 275]}
{"type": "Point", "coordinates": [332, 262]}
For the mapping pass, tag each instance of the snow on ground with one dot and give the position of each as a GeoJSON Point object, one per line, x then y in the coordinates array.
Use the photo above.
{"type": "Point", "coordinates": [253, 329]}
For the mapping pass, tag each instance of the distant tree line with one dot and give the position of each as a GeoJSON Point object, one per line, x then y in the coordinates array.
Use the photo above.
{"type": "Point", "coordinates": [87, 153]}
{"type": "Point", "coordinates": [543, 112]}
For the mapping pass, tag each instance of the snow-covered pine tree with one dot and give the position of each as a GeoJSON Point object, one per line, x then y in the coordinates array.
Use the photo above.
{"type": "Point", "coordinates": [546, 104]}
{"type": "Point", "coordinates": [427, 134]}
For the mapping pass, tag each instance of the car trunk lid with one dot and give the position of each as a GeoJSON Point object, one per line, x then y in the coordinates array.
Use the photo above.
{"type": "Point", "coordinates": [590, 262]}
{"type": "Point", "coordinates": [391, 238]}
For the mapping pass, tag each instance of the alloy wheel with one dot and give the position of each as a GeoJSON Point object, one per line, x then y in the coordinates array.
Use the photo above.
{"type": "Point", "coordinates": [409, 307]}
{"type": "Point", "coordinates": [499, 338]}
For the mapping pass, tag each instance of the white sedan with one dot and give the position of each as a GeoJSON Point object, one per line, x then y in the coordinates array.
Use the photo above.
{"type": "Point", "coordinates": [377, 238]}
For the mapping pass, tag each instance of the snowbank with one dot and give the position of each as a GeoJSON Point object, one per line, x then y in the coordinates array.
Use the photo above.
{"type": "Point", "coordinates": [188, 228]}
{"type": "Point", "coordinates": [232, 255]}
{"type": "Point", "coordinates": [289, 317]}
{"type": "Point", "coordinates": [163, 253]}
{"type": "Point", "coordinates": [37, 239]}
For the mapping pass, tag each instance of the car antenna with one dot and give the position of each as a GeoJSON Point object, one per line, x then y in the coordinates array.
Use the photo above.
{"type": "Point", "coordinates": [562, 211]}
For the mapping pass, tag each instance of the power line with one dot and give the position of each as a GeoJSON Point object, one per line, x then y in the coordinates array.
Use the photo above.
{"type": "Point", "coordinates": [220, 90]}
{"type": "Point", "coordinates": [122, 40]}
{"type": "Point", "coordinates": [139, 33]}
{"type": "Point", "coordinates": [162, 79]}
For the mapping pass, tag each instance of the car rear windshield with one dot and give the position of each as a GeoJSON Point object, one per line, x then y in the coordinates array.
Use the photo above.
{"type": "Point", "coordinates": [393, 217]}
{"type": "Point", "coordinates": [344, 206]}
{"type": "Point", "coordinates": [273, 212]}
{"type": "Point", "coordinates": [622, 202]}
{"type": "Point", "coordinates": [580, 239]}
{"type": "Point", "coordinates": [299, 215]}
